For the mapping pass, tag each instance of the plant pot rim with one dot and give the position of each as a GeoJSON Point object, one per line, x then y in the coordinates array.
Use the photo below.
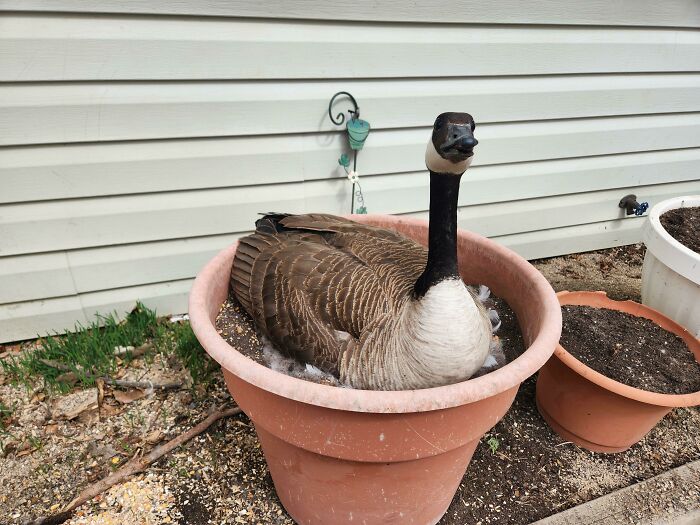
{"type": "Point", "coordinates": [664, 246]}
{"type": "Point", "coordinates": [600, 299]}
{"type": "Point", "coordinates": [374, 401]}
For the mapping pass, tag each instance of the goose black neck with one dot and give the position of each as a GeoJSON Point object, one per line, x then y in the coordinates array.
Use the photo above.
{"type": "Point", "coordinates": [442, 233]}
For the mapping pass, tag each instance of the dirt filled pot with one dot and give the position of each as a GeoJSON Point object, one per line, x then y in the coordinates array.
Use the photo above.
{"type": "Point", "coordinates": [671, 271]}
{"type": "Point", "coordinates": [340, 455]}
{"type": "Point", "coordinates": [594, 411]}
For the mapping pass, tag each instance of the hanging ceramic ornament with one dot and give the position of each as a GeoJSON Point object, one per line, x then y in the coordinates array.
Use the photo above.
{"type": "Point", "coordinates": [358, 130]}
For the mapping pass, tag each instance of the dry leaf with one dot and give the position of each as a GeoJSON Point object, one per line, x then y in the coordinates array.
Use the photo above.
{"type": "Point", "coordinates": [90, 417]}
{"type": "Point", "coordinates": [129, 396]}
{"type": "Point", "coordinates": [67, 377]}
{"type": "Point", "coordinates": [39, 396]}
{"type": "Point", "coordinates": [107, 410]}
{"type": "Point", "coordinates": [51, 429]}
{"type": "Point", "coordinates": [154, 437]}
{"type": "Point", "coordinates": [71, 406]}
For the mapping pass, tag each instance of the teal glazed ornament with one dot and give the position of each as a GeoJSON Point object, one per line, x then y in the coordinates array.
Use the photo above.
{"type": "Point", "coordinates": [357, 130]}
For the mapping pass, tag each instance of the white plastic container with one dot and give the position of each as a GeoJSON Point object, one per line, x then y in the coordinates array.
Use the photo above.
{"type": "Point", "coordinates": [671, 271]}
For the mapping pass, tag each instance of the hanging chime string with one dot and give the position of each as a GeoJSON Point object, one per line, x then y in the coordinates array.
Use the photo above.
{"type": "Point", "coordinates": [354, 168]}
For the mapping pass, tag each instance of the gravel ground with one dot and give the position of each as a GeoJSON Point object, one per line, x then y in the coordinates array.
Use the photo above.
{"type": "Point", "coordinates": [221, 477]}
{"type": "Point", "coordinates": [617, 271]}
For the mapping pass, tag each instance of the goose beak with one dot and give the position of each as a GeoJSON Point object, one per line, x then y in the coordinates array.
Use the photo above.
{"type": "Point", "coordinates": [460, 143]}
{"type": "Point", "coordinates": [465, 144]}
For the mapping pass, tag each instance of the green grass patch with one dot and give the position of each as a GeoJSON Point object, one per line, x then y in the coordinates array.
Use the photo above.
{"type": "Point", "coordinates": [192, 355]}
{"type": "Point", "coordinates": [89, 352]}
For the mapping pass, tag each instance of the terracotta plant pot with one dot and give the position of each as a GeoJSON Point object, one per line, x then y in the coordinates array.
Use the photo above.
{"type": "Point", "coordinates": [594, 411]}
{"type": "Point", "coordinates": [340, 455]}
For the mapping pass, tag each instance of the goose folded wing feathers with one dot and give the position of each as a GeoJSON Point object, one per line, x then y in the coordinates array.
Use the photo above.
{"type": "Point", "coordinates": [320, 278]}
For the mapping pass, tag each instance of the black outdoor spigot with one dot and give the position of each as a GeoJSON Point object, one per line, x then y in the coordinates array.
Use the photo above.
{"type": "Point", "coordinates": [631, 206]}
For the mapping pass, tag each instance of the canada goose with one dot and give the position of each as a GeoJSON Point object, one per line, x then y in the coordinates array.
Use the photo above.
{"type": "Point", "coordinates": [369, 305]}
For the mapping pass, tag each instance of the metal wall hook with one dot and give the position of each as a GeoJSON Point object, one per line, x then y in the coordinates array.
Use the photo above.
{"type": "Point", "coordinates": [631, 206]}
{"type": "Point", "coordinates": [341, 116]}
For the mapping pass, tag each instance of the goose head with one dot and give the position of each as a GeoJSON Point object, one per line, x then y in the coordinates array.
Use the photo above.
{"type": "Point", "coordinates": [451, 146]}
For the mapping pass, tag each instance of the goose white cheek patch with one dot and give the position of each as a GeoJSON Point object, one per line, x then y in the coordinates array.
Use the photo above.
{"type": "Point", "coordinates": [434, 162]}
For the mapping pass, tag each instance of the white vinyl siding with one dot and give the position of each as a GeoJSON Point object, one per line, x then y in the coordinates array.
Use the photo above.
{"type": "Point", "coordinates": [138, 138]}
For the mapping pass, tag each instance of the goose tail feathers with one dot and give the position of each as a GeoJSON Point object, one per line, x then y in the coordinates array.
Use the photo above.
{"type": "Point", "coordinates": [270, 222]}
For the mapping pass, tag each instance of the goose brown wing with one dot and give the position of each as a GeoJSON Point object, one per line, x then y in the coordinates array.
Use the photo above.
{"type": "Point", "coordinates": [393, 256]}
{"type": "Point", "coordinates": [296, 287]}
{"type": "Point", "coordinates": [319, 277]}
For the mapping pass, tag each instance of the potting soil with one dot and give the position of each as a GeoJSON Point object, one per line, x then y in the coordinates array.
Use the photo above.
{"type": "Point", "coordinates": [684, 225]}
{"type": "Point", "coordinates": [632, 350]}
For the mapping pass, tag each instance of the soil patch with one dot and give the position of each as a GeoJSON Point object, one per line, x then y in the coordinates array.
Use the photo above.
{"type": "Point", "coordinates": [534, 473]}
{"type": "Point", "coordinates": [617, 270]}
{"type": "Point", "coordinates": [632, 350]}
{"type": "Point", "coordinates": [684, 225]}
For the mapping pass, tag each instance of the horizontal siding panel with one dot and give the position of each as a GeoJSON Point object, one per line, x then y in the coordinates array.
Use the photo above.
{"type": "Point", "coordinates": [46, 275]}
{"type": "Point", "coordinates": [59, 225]}
{"type": "Point", "coordinates": [510, 183]}
{"type": "Point", "coordinates": [507, 218]}
{"type": "Point", "coordinates": [92, 112]}
{"type": "Point", "coordinates": [29, 319]}
{"type": "Point", "coordinates": [128, 265]}
{"type": "Point", "coordinates": [119, 266]}
{"type": "Point", "coordinates": [36, 318]}
{"type": "Point", "coordinates": [28, 277]}
{"type": "Point", "coordinates": [571, 239]}
{"type": "Point", "coordinates": [91, 170]}
{"type": "Point", "coordinates": [87, 47]}
{"type": "Point", "coordinates": [164, 298]}
{"type": "Point", "coordinates": [680, 13]}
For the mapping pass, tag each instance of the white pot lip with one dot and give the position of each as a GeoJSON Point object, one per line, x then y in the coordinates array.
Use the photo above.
{"type": "Point", "coordinates": [664, 247]}
{"type": "Point", "coordinates": [373, 401]}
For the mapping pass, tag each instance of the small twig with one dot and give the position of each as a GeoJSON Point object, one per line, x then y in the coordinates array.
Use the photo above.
{"type": "Point", "coordinates": [58, 365]}
{"type": "Point", "coordinates": [564, 443]}
{"type": "Point", "coordinates": [136, 352]}
{"type": "Point", "coordinates": [142, 385]}
{"type": "Point", "coordinates": [134, 466]}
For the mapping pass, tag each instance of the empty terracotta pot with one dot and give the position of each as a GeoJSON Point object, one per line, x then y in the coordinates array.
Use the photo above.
{"type": "Point", "coordinates": [340, 455]}
{"type": "Point", "coordinates": [594, 411]}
